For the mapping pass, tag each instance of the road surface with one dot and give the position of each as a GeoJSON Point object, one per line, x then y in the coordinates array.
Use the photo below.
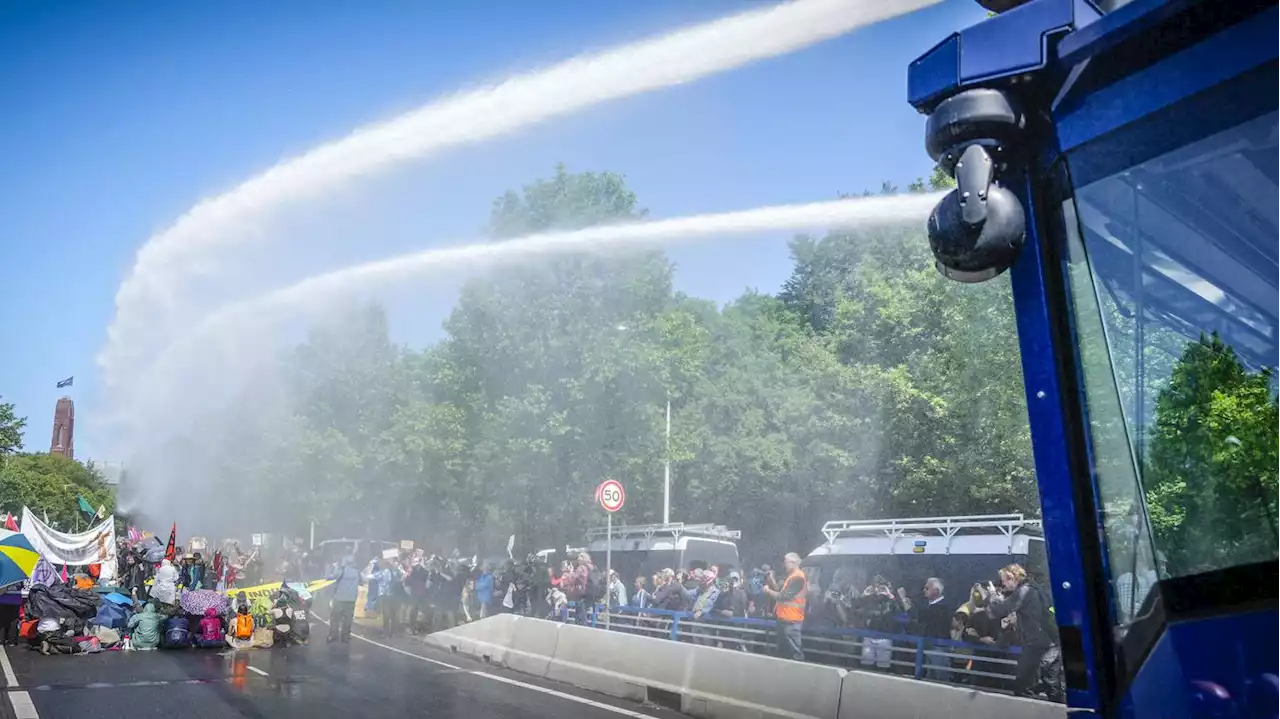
{"type": "Point", "coordinates": [368, 678]}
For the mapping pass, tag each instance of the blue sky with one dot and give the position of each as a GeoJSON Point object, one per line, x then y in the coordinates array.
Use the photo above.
{"type": "Point", "coordinates": [118, 117]}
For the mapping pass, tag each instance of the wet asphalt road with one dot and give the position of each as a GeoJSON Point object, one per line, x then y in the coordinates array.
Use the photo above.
{"type": "Point", "coordinates": [401, 678]}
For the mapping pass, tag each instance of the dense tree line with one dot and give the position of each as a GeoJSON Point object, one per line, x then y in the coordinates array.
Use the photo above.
{"type": "Point", "coordinates": [868, 387]}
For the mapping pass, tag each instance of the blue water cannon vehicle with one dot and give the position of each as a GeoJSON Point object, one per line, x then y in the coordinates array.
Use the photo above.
{"type": "Point", "coordinates": [1119, 161]}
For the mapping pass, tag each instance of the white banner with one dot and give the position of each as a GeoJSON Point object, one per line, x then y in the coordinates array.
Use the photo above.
{"type": "Point", "coordinates": [96, 546]}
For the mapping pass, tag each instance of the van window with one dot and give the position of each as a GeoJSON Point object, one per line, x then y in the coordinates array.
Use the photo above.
{"type": "Point", "coordinates": [710, 553]}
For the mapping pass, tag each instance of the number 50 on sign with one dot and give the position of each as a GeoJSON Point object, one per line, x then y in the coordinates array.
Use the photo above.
{"type": "Point", "coordinates": [610, 495]}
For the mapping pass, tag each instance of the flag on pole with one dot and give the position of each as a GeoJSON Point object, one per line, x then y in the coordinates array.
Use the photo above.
{"type": "Point", "coordinates": [134, 534]}
{"type": "Point", "coordinates": [102, 512]}
{"type": "Point", "coordinates": [10, 524]}
{"type": "Point", "coordinates": [85, 508]}
{"type": "Point", "coordinates": [170, 551]}
{"type": "Point", "coordinates": [66, 382]}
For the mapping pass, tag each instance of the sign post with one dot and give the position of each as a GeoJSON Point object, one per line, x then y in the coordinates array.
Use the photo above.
{"type": "Point", "coordinates": [611, 497]}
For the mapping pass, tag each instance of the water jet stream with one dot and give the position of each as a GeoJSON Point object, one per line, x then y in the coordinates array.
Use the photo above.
{"type": "Point", "coordinates": [146, 305]}
{"type": "Point", "coordinates": [313, 295]}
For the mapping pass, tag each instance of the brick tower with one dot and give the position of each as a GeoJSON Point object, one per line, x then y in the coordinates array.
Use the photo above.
{"type": "Point", "coordinates": [64, 429]}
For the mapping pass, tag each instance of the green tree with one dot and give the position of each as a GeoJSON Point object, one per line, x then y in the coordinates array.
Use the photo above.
{"type": "Point", "coordinates": [560, 360]}
{"type": "Point", "coordinates": [51, 484]}
{"type": "Point", "coordinates": [869, 387]}
{"type": "Point", "coordinates": [11, 427]}
{"type": "Point", "coordinates": [1211, 479]}
{"type": "Point", "coordinates": [954, 435]}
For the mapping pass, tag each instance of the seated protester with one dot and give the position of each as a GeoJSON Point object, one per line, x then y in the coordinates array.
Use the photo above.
{"type": "Point", "coordinates": [240, 630]}
{"type": "Point", "coordinates": [301, 622]}
{"type": "Point", "coordinates": [177, 634]}
{"type": "Point", "coordinates": [144, 628]}
{"type": "Point", "coordinates": [211, 632]}
{"type": "Point", "coordinates": [282, 621]}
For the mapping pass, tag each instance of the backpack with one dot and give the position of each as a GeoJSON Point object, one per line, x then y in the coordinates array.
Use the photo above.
{"type": "Point", "coordinates": [597, 585]}
{"type": "Point", "coordinates": [244, 626]}
{"type": "Point", "coordinates": [1048, 619]}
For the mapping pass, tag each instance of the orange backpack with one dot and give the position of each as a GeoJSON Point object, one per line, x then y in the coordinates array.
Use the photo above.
{"type": "Point", "coordinates": [244, 626]}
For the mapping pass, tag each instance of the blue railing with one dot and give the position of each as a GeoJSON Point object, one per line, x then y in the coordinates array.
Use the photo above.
{"type": "Point", "coordinates": [921, 657]}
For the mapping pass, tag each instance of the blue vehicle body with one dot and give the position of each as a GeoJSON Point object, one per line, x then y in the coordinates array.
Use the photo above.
{"type": "Point", "coordinates": [1148, 179]}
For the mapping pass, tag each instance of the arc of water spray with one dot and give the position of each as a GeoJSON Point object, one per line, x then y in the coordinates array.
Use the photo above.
{"type": "Point", "coordinates": [311, 294]}
{"type": "Point", "coordinates": [146, 295]}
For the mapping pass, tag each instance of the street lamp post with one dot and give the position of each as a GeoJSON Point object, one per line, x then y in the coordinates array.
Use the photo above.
{"type": "Point", "coordinates": [666, 461]}
{"type": "Point", "coordinates": [666, 472]}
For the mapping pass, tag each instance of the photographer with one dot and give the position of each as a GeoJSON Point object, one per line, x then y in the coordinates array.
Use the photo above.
{"type": "Point", "coordinates": [1027, 604]}
{"type": "Point", "coordinates": [879, 607]}
{"type": "Point", "coordinates": [839, 600]}
{"type": "Point", "coordinates": [759, 605]}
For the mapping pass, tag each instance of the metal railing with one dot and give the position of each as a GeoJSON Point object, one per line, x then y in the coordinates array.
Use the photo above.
{"type": "Point", "coordinates": [988, 667]}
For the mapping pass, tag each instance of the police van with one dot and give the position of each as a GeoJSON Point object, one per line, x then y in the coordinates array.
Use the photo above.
{"type": "Point", "coordinates": [644, 549]}
{"type": "Point", "coordinates": [961, 551]}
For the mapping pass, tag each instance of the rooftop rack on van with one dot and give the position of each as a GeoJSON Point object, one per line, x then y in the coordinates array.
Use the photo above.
{"type": "Point", "coordinates": [674, 530]}
{"type": "Point", "coordinates": [945, 527]}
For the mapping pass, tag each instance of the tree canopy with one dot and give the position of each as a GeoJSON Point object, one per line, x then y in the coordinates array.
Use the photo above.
{"type": "Point", "coordinates": [870, 386]}
{"type": "Point", "coordinates": [11, 427]}
{"type": "Point", "coordinates": [50, 484]}
{"type": "Point", "coordinates": [1211, 477]}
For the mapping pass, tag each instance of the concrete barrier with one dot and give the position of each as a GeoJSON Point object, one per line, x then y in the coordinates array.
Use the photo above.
{"type": "Point", "coordinates": [869, 695]}
{"type": "Point", "coordinates": [487, 640]}
{"type": "Point", "coordinates": [620, 665]}
{"type": "Point", "coordinates": [718, 683]}
{"type": "Point", "coordinates": [726, 683]}
{"type": "Point", "coordinates": [533, 644]}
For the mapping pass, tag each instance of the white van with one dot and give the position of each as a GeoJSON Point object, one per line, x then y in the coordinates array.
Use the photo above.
{"type": "Point", "coordinates": [960, 551]}
{"type": "Point", "coordinates": [642, 550]}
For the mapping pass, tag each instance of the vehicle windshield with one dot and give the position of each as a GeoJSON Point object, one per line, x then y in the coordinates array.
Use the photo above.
{"type": "Point", "coordinates": [1173, 281]}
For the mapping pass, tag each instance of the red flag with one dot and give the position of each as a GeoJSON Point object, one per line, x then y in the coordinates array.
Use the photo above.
{"type": "Point", "coordinates": [170, 551]}
{"type": "Point", "coordinates": [9, 524]}
{"type": "Point", "coordinates": [64, 574]}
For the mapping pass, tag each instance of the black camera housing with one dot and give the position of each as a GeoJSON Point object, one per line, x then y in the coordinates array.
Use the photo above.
{"type": "Point", "coordinates": [978, 229]}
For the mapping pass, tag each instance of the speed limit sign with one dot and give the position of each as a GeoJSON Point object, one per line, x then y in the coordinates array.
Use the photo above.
{"type": "Point", "coordinates": [611, 495]}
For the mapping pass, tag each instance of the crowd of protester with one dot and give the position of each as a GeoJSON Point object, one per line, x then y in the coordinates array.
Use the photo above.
{"type": "Point", "coordinates": [155, 602]}
{"type": "Point", "coordinates": [417, 592]}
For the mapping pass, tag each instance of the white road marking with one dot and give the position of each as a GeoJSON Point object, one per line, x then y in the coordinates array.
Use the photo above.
{"type": "Point", "coordinates": [10, 679]}
{"type": "Point", "coordinates": [23, 707]}
{"type": "Point", "coordinates": [513, 682]}
{"type": "Point", "coordinates": [256, 670]}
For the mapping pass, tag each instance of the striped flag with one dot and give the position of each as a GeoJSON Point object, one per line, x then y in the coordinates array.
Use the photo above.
{"type": "Point", "coordinates": [67, 382]}
{"type": "Point", "coordinates": [134, 535]}
{"type": "Point", "coordinates": [170, 550]}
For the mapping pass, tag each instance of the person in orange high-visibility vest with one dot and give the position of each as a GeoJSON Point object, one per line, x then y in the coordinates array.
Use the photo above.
{"type": "Point", "coordinates": [790, 606]}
